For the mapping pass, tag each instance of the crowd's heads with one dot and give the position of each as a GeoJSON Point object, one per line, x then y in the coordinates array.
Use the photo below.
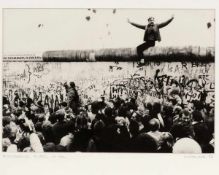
{"type": "Point", "coordinates": [34, 108]}
{"type": "Point", "coordinates": [136, 116]}
{"type": "Point", "coordinates": [202, 133]}
{"type": "Point", "coordinates": [72, 84]}
{"type": "Point", "coordinates": [25, 127]}
{"type": "Point", "coordinates": [6, 120]}
{"type": "Point", "coordinates": [181, 123]}
{"type": "Point", "coordinates": [66, 140]}
{"type": "Point", "coordinates": [23, 143]}
{"type": "Point", "coordinates": [82, 121]}
{"type": "Point", "coordinates": [167, 137]}
{"type": "Point", "coordinates": [98, 127]}
{"type": "Point", "coordinates": [187, 145]}
{"type": "Point", "coordinates": [60, 115]}
{"type": "Point", "coordinates": [118, 102]}
{"type": "Point", "coordinates": [145, 143]}
{"type": "Point", "coordinates": [156, 108]}
{"type": "Point", "coordinates": [63, 104]}
{"type": "Point", "coordinates": [108, 112]}
{"type": "Point", "coordinates": [95, 107]}
{"type": "Point", "coordinates": [5, 143]}
{"type": "Point", "coordinates": [167, 110]}
{"type": "Point", "coordinates": [121, 121]}
{"type": "Point", "coordinates": [6, 131]}
{"type": "Point", "coordinates": [6, 110]}
{"type": "Point", "coordinates": [154, 124]}
{"type": "Point", "coordinates": [141, 111]}
{"type": "Point", "coordinates": [198, 105]}
{"type": "Point", "coordinates": [197, 116]}
{"type": "Point", "coordinates": [185, 115]}
{"type": "Point", "coordinates": [134, 128]}
{"type": "Point", "coordinates": [122, 111]}
{"type": "Point", "coordinates": [177, 110]}
{"type": "Point", "coordinates": [167, 142]}
{"type": "Point", "coordinates": [181, 129]}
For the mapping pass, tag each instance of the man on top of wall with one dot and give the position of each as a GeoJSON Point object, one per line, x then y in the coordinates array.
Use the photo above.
{"type": "Point", "coordinates": [151, 35]}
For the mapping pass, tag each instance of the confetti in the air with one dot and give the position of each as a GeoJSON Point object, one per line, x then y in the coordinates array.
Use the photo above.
{"type": "Point", "coordinates": [40, 25]}
{"type": "Point", "coordinates": [88, 18]}
{"type": "Point", "coordinates": [208, 25]}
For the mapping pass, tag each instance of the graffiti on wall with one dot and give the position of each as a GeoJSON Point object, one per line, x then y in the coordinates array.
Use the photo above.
{"type": "Point", "coordinates": [158, 85]}
{"type": "Point", "coordinates": [44, 81]}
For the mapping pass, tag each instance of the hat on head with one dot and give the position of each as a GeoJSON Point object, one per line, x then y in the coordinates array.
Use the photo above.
{"type": "Point", "coordinates": [151, 18]}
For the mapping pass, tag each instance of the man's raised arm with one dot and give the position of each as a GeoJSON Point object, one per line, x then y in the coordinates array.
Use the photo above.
{"type": "Point", "coordinates": [166, 22]}
{"type": "Point", "coordinates": [137, 25]}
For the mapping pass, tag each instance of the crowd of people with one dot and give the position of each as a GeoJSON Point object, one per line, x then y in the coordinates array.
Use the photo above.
{"type": "Point", "coordinates": [115, 125]}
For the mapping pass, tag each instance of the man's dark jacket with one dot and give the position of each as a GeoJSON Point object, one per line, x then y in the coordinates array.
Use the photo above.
{"type": "Point", "coordinates": [156, 28]}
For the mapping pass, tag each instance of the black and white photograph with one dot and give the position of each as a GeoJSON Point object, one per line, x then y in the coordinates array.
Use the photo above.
{"type": "Point", "coordinates": [108, 80]}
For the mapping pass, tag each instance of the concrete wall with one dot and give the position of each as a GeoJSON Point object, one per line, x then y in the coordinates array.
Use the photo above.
{"type": "Point", "coordinates": [124, 79]}
{"type": "Point", "coordinates": [172, 54]}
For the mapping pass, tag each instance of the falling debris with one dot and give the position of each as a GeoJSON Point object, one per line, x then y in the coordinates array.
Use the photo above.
{"type": "Point", "coordinates": [114, 11]}
{"type": "Point", "coordinates": [119, 68]}
{"type": "Point", "coordinates": [94, 10]}
{"type": "Point", "coordinates": [208, 25]}
{"type": "Point", "coordinates": [88, 18]}
{"type": "Point", "coordinates": [40, 25]}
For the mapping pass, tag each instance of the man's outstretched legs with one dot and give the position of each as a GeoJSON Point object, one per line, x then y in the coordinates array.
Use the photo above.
{"type": "Point", "coordinates": [141, 48]}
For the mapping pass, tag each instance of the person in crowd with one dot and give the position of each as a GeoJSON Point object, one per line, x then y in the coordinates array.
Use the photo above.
{"type": "Point", "coordinates": [103, 125]}
{"type": "Point", "coordinates": [61, 127]}
{"type": "Point", "coordinates": [82, 134]}
{"type": "Point", "coordinates": [72, 96]}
